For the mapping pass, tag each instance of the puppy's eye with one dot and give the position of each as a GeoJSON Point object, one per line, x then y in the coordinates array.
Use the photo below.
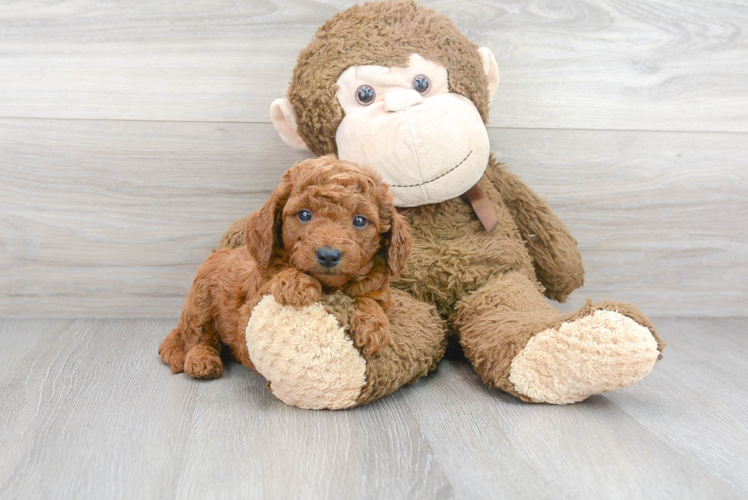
{"type": "Point", "coordinates": [421, 84]}
{"type": "Point", "coordinates": [365, 95]}
{"type": "Point", "coordinates": [304, 216]}
{"type": "Point", "coordinates": [359, 221]}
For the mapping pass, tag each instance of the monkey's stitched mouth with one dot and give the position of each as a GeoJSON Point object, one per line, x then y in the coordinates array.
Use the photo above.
{"type": "Point", "coordinates": [435, 178]}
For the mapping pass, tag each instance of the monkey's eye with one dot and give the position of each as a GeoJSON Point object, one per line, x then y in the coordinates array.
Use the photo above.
{"type": "Point", "coordinates": [365, 95]}
{"type": "Point", "coordinates": [359, 221]}
{"type": "Point", "coordinates": [421, 84]}
{"type": "Point", "coordinates": [304, 216]}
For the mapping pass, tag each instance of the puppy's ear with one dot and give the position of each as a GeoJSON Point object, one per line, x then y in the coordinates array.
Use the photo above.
{"type": "Point", "coordinates": [264, 226]}
{"type": "Point", "coordinates": [400, 244]}
{"type": "Point", "coordinates": [398, 240]}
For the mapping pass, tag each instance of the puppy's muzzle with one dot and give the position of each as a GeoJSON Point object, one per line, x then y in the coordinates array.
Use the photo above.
{"type": "Point", "coordinates": [329, 257]}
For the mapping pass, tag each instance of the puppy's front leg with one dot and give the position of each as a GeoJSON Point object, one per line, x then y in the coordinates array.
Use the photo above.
{"type": "Point", "coordinates": [369, 325]}
{"type": "Point", "coordinates": [291, 287]}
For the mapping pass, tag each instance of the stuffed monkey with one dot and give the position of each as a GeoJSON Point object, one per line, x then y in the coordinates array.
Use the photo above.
{"type": "Point", "coordinates": [397, 87]}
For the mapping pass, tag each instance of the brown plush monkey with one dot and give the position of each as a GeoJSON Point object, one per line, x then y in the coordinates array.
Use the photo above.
{"type": "Point", "coordinates": [397, 87]}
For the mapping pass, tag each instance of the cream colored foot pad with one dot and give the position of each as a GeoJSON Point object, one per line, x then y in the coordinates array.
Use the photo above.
{"type": "Point", "coordinates": [597, 353]}
{"type": "Point", "coordinates": [305, 355]}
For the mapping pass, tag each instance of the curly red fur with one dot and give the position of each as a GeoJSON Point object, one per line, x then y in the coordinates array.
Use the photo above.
{"type": "Point", "coordinates": [280, 258]}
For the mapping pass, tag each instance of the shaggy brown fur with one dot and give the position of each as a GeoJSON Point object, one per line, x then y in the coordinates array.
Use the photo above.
{"type": "Point", "coordinates": [454, 255]}
{"type": "Point", "coordinates": [280, 257]}
{"type": "Point", "coordinates": [490, 286]}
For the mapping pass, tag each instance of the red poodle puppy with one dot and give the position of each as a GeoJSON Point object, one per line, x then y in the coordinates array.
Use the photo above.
{"type": "Point", "coordinates": [330, 225]}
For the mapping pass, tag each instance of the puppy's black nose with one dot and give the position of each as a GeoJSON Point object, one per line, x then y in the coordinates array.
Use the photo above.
{"type": "Point", "coordinates": [328, 257]}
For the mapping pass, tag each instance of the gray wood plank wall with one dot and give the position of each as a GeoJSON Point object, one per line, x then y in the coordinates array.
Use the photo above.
{"type": "Point", "coordinates": [133, 133]}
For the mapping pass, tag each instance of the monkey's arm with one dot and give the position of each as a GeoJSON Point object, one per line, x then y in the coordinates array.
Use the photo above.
{"type": "Point", "coordinates": [557, 262]}
{"type": "Point", "coordinates": [234, 237]}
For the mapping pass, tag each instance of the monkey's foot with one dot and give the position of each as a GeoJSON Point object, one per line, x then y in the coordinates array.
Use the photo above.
{"type": "Point", "coordinates": [305, 355]}
{"type": "Point", "coordinates": [600, 352]}
{"type": "Point", "coordinates": [310, 360]}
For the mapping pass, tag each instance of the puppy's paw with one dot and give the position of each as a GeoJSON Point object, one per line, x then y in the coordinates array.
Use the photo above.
{"type": "Point", "coordinates": [370, 329]}
{"type": "Point", "coordinates": [203, 362]}
{"type": "Point", "coordinates": [172, 352]}
{"type": "Point", "coordinates": [295, 289]}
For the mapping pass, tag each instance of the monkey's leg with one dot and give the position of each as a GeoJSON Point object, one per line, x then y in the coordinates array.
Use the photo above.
{"type": "Point", "coordinates": [418, 339]}
{"type": "Point", "coordinates": [518, 343]}
{"type": "Point", "coordinates": [309, 359]}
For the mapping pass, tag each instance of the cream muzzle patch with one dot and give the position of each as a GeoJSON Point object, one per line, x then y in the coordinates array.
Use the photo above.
{"type": "Point", "coordinates": [428, 147]}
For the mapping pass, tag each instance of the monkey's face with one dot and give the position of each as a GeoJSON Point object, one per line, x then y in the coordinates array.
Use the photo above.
{"type": "Point", "coordinates": [428, 144]}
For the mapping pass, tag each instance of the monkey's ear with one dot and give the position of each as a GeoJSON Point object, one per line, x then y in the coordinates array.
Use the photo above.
{"type": "Point", "coordinates": [284, 120]}
{"type": "Point", "coordinates": [398, 241]}
{"type": "Point", "coordinates": [400, 244]}
{"type": "Point", "coordinates": [491, 69]}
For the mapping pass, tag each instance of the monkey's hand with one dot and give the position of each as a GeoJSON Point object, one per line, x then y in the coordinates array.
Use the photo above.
{"type": "Point", "coordinates": [370, 326]}
{"type": "Point", "coordinates": [291, 287]}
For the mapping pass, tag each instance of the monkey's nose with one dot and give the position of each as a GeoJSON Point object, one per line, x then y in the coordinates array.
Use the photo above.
{"type": "Point", "coordinates": [328, 257]}
{"type": "Point", "coordinates": [398, 100]}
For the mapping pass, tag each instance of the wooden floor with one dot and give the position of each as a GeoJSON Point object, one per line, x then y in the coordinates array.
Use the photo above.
{"type": "Point", "coordinates": [89, 411]}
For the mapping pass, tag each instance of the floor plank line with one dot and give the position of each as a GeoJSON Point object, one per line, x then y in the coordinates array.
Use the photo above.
{"type": "Point", "coordinates": [89, 411]}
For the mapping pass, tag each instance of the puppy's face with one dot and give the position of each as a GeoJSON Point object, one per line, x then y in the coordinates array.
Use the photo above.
{"type": "Point", "coordinates": [331, 227]}
{"type": "Point", "coordinates": [330, 218]}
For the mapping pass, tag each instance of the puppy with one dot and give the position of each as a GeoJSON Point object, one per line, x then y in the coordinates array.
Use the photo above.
{"type": "Point", "coordinates": [329, 225]}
